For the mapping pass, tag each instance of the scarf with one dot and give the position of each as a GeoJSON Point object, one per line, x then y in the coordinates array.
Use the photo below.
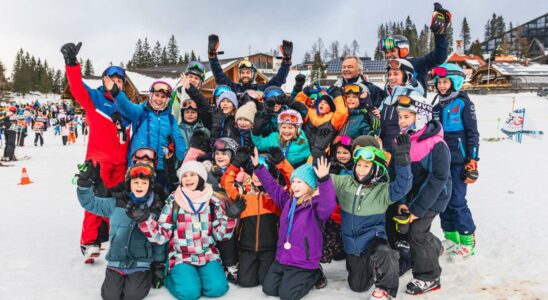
{"type": "Point", "coordinates": [448, 97]}
{"type": "Point", "coordinates": [196, 197]}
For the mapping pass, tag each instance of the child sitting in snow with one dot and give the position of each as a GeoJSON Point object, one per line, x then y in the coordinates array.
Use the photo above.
{"type": "Point", "coordinates": [192, 222]}
{"type": "Point", "coordinates": [296, 268]}
{"type": "Point", "coordinates": [130, 255]}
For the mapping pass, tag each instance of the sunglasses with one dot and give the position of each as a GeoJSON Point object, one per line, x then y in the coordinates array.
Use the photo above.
{"type": "Point", "coordinates": [145, 153]}
{"type": "Point", "coordinates": [189, 104]}
{"type": "Point", "coordinates": [140, 172]}
{"type": "Point", "coordinates": [352, 89]}
{"type": "Point", "coordinates": [114, 70]}
{"type": "Point", "coordinates": [443, 72]}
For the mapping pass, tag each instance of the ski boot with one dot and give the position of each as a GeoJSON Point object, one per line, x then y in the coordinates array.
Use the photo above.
{"type": "Point", "coordinates": [417, 286]}
{"type": "Point", "coordinates": [231, 273]}
{"type": "Point", "coordinates": [380, 294]}
{"type": "Point", "coordinates": [467, 248]}
{"type": "Point", "coordinates": [451, 242]}
{"type": "Point", "coordinates": [90, 253]}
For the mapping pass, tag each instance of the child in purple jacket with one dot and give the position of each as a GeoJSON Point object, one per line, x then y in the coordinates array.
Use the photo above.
{"type": "Point", "coordinates": [296, 268]}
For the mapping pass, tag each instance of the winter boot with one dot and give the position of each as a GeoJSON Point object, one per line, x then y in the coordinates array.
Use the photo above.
{"type": "Point", "coordinates": [322, 281]}
{"type": "Point", "coordinates": [451, 242]}
{"type": "Point", "coordinates": [405, 261]}
{"type": "Point", "coordinates": [232, 274]}
{"type": "Point", "coordinates": [467, 248]}
{"type": "Point", "coordinates": [417, 286]}
{"type": "Point", "coordinates": [90, 253]}
{"type": "Point", "coordinates": [380, 294]}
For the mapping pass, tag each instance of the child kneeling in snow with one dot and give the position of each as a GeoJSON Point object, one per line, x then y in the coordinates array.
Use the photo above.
{"type": "Point", "coordinates": [130, 254]}
{"type": "Point", "coordinates": [296, 268]}
{"type": "Point", "coordinates": [192, 221]}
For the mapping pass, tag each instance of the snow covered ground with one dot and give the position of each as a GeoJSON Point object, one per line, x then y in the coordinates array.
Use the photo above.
{"type": "Point", "coordinates": [39, 247]}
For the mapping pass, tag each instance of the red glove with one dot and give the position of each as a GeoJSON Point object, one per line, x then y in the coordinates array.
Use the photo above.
{"type": "Point", "coordinates": [470, 173]}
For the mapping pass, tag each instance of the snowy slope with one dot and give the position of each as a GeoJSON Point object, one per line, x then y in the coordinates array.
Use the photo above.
{"type": "Point", "coordinates": [40, 256]}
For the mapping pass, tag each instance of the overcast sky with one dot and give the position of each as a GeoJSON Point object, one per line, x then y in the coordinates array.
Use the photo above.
{"type": "Point", "coordinates": [109, 29]}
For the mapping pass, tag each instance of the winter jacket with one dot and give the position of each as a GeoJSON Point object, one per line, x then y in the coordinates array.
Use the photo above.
{"type": "Point", "coordinates": [430, 162]}
{"type": "Point", "coordinates": [363, 207]}
{"type": "Point", "coordinates": [296, 152]}
{"type": "Point", "coordinates": [151, 128]}
{"type": "Point", "coordinates": [225, 129]}
{"type": "Point", "coordinates": [258, 229]}
{"type": "Point", "coordinates": [390, 127]}
{"type": "Point", "coordinates": [309, 220]}
{"type": "Point", "coordinates": [129, 247]}
{"type": "Point", "coordinates": [221, 78]}
{"type": "Point", "coordinates": [332, 122]}
{"type": "Point", "coordinates": [202, 104]}
{"type": "Point", "coordinates": [375, 95]}
{"type": "Point", "coordinates": [356, 124]}
{"type": "Point", "coordinates": [188, 130]}
{"type": "Point", "coordinates": [424, 64]}
{"type": "Point", "coordinates": [192, 237]}
{"type": "Point", "coordinates": [460, 127]}
{"type": "Point", "coordinates": [103, 142]}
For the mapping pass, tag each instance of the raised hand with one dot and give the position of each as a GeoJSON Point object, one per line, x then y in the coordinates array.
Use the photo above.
{"type": "Point", "coordinates": [287, 50]}
{"type": "Point", "coordinates": [213, 45]}
{"type": "Point", "coordinates": [402, 156]}
{"type": "Point", "coordinates": [69, 52]}
{"type": "Point", "coordinates": [255, 157]}
{"type": "Point", "coordinates": [184, 81]}
{"type": "Point", "coordinates": [322, 169]}
{"type": "Point", "coordinates": [234, 209]}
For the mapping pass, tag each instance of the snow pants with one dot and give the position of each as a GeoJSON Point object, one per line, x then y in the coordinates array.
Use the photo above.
{"type": "Point", "coordinates": [186, 281]}
{"type": "Point", "coordinates": [111, 175]}
{"type": "Point", "coordinates": [332, 246]}
{"type": "Point", "coordinates": [254, 266]}
{"type": "Point", "coordinates": [119, 286]}
{"type": "Point", "coordinates": [289, 283]}
{"type": "Point", "coordinates": [38, 137]}
{"type": "Point", "coordinates": [229, 250]}
{"type": "Point", "coordinates": [9, 150]}
{"type": "Point", "coordinates": [425, 248]}
{"type": "Point", "coordinates": [378, 265]}
{"type": "Point", "coordinates": [457, 215]}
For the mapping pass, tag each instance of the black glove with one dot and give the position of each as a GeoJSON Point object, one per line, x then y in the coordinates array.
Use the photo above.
{"type": "Point", "coordinates": [287, 50]}
{"type": "Point", "coordinates": [241, 157]}
{"type": "Point", "coordinates": [213, 45]}
{"type": "Point", "coordinates": [157, 270]}
{"type": "Point", "coordinates": [283, 100]}
{"type": "Point", "coordinates": [401, 156]}
{"type": "Point", "coordinates": [84, 177]}
{"type": "Point", "coordinates": [200, 140]}
{"type": "Point", "coordinates": [300, 79]}
{"type": "Point", "coordinates": [217, 118]}
{"type": "Point", "coordinates": [440, 19]}
{"type": "Point", "coordinates": [335, 91]}
{"type": "Point", "coordinates": [276, 155]}
{"type": "Point", "coordinates": [374, 122]}
{"type": "Point", "coordinates": [324, 138]}
{"type": "Point", "coordinates": [70, 51]}
{"type": "Point", "coordinates": [234, 209]}
{"type": "Point", "coordinates": [135, 212]}
{"type": "Point", "coordinates": [114, 91]}
{"type": "Point", "coordinates": [258, 123]}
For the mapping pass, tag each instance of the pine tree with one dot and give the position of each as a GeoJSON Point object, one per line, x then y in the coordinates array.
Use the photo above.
{"type": "Point", "coordinates": [88, 68]}
{"type": "Point", "coordinates": [172, 50]}
{"type": "Point", "coordinates": [423, 41]}
{"type": "Point", "coordinates": [187, 58]}
{"type": "Point", "coordinates": [148, 60]}
{"type": "Point", "coordinates": [307, 57]}
{"type": "Point", "coordinates": [318, 68]}
{"type": "Point", "coordinates": [3, 80]}
{"type": "Point", "coordinates": [346, 50]}
{"type": "Point", "coordinates": [137, 59]}
{"type": "Point", "coordinates": [355, 47]}
{"type": "Point", "coordinates": [165, 58]}
{"type": "Point", "coordinates": [410, 32]}
{"type": "Point", "coordinates": [449, 31]}
{"type": "Point", "coordinates": [334, 49]}
{"type": "Point", "coordinates": [180, 60]}
{"type": "Point", "coordinates": [57, 82]}
{"type": "Point", "coordinates": [465, 34]}
{"type": "Point", "coordinates": [475, 48]}
{"type": "Point", "coordinates": [157, 54]}
{"type": "Point", "coordinates": [192, 55]}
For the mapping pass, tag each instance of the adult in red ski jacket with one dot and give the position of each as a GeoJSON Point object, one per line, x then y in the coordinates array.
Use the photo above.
{"type": "Point", "coordinates": [108, 137]}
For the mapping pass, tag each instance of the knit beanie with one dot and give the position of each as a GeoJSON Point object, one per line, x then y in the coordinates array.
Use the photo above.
{"type": "Point", "coordinates": [192, 166]}
{"type": "Point", "coordinates": [364, 141]}
{"type": "Point", "coordinates": [247, 112]}
{"type": "Point", "coordinates": [306, 174]}
{"type": "Point", "coordinates": [230, 96]}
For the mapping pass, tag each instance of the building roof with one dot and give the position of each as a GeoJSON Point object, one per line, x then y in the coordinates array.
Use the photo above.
{"type": "Point", "coordinates": [516, 69]}
{"type": "Point", "coordinates": [472, 60]}
{"type": "Point", "coordinates": [369, 66]}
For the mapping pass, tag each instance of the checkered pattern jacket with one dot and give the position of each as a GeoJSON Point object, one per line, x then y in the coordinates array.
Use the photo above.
{"type": "Point", "coordinates": [192, 237]}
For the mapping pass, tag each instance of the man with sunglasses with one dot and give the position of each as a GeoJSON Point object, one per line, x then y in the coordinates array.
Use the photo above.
{"type": "Point", "coordinates": [397, 46]}
{"type": "Point", "coordinates": [108, 137]}
{"type": "Point", "coordinates": [247, 70]}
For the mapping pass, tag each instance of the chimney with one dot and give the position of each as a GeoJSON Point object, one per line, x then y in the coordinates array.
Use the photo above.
{"type": "Point", "coordinates": [460, 47]}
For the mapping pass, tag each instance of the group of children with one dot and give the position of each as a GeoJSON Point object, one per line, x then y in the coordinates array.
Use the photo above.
{"type": "Point", "coordinates": [261, 187]}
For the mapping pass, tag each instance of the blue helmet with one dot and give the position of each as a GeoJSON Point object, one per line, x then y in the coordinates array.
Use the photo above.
{"type": "Point", "coordinates": [221, 89]}
{"type": "Point", "coordinates": [451, 71]}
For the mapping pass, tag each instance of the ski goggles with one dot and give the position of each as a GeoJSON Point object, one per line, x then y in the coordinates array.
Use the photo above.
{"type": "Point", "coordinates": [352, 89]}
{"type": "Point", "coordinates": [220, 145]}
{"type": "Point", "coordinates": [245, 64]}
{"type": "Point", "coordinates": [220, 89]}
{"type": "Point", "coordinates": [273, 93]}
{"type": "Point", "coordinates": [405, 101]}
{"type": "Point", "coordinates": [393, 64]}
{"type": "Point", "coordinates": [196, 68]}
{"type": "Point", "coordinates": [343, 140]}
{"type": "Point", "coordinates": [443, 72]}
{"type": "Point", "coordinates": [387, 44]}
{"type": "Point", "coordinates": [141, 171]}
{"type": "Point", "coordinates": [161, 86]}
{"type": "Point", "coordinates": [369, 153]}
{"type": "Point", "coordinates": [189, 104]}
{"type": "Point", "coordinates": [145, 153]}
{"type": "Point", "coordinates": [115, 70]}
{"type": "Point", "coordinates": [288, 118]}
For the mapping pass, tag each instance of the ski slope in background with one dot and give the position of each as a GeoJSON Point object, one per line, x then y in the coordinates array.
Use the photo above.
{"type": "Point", "coordinates": [40, 255]}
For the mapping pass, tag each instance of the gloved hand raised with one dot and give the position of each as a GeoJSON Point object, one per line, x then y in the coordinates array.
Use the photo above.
{"type": "Point", "coordinates": [241, 157]}
{"type": "Point", "coordinates": [287, 50]}
{"type": "Point", "coordinates": [402, 157]}
{"type": "Point", "coordinates": [87, 170]}
{"type": "Point", "coordinates": [212, 45]}
{"type": "Point", "coordinates": [69, 52]}
{"type": "Point", "coordinates": [234, 209]}
{"type": "Point", "coordinates": [441, 19]}
{"type": "Point", "coordinates": [276, 155]}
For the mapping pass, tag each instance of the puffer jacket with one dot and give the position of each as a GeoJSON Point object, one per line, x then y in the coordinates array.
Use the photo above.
{"type": "Point", "coordinates": [296, 152]}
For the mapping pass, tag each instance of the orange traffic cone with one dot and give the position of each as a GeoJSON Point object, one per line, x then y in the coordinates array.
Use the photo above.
{"type": "Point", "coordinates": [24, 177]}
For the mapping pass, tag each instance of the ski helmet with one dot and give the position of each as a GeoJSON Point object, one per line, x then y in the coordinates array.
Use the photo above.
{"type": "Point", "coordinates": [416, 103]}
{"type": "Point", "coordinates": [225, 144]}
{"type": "Point", "coordinates": [397, 41]}
{"type": "Point", "coordinates": [220, 89]}
{"type": "Point", "coordinates": [196, 68]}
{"type": "Point", "coordinates": [379, 160]}
{"type": "Point", "coordinates": [161, 86]}
{"type": "Point", "coordinates": [451, 71]}
{"type": "Point", "coordinates": [404, 65]}
{"type": "Point", "coordinates": [272, 95]}
{"type": "Point", "coordinates": [290, 116]}
{"type": "Point", "coordinates": [115, 71]}
{"type": "Point", "coordinates": [246, 64]}
{"type": "Point", "coordinates": [141, 170]}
